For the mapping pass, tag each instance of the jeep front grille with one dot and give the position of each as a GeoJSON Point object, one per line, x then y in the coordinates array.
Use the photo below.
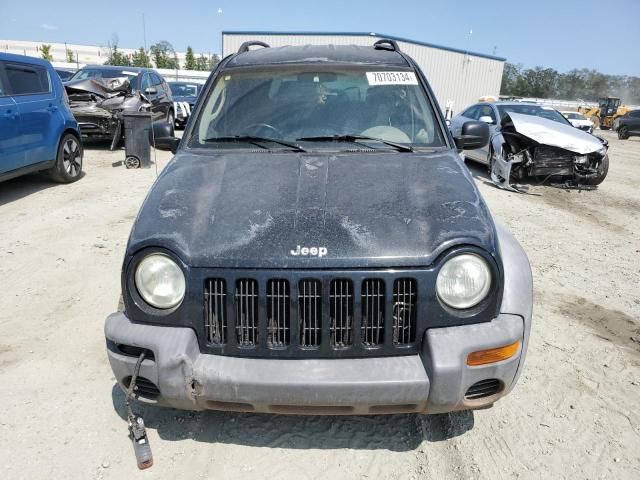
{"type": "Point", "coordinates": [310, 312]}
{"type": "Point", "coordinates": [246, 312]}
{"type": "Point", "coordinates": [311, 315]}
{"type": "Point", "coordinates": [341, 312]}
{"type": "Point", "coordinates": [373, 308]}
{"type": "Point", "coordinates": [405, 293]}
{"type": "Point", "coordinates": [278, 320]}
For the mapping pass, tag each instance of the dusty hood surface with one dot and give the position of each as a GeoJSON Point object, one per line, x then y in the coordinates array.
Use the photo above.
{"type": "Point", "coordinates": [252, 210]}
{"type": "Point", "coordinates": [555, 134]}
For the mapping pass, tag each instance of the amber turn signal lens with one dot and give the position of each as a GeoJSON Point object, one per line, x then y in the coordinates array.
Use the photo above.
{"type": "Point", "coordinates": [493, 355]}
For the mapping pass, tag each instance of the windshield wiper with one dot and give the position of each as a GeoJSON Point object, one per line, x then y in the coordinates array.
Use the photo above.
{"type": "Point", "coordinates": [354, 138]}
{"type": "Point", "coordinates": [255, 141]}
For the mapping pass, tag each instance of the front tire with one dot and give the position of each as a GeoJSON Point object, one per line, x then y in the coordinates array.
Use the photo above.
{"type": "Point", "coordinates": [68, 166]}
{"type": "Point", "coordinates": [597, 178]}
{"type": "Point", "coordinates": [623, 133]}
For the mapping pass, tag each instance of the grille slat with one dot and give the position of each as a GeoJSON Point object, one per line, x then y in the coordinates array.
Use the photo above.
{"type": "Point", "coordinates": [246, 312]}
{"type": "Point", "coordinates": [310, 305]}
{"type": "Point", "coordinates": [278, 318]}
{"type": "Point", "coordinates": [404, 311]}
{"type": "Point", "coordinates": [341, 314]}
{"type": "Point", "coordinates": [373, 307]}
{"type": "Point", "coordinates": [215, 311]}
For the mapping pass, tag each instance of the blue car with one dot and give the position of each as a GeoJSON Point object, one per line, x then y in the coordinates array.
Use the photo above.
{"type": "Point", "coordinates": [37, 129]}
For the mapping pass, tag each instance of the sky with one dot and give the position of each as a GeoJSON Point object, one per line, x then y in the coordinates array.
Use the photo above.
{"type": "Point", "coordinates": [561, 34]}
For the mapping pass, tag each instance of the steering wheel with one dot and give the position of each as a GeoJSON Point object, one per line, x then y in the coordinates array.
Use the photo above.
{"type": "Point", "coordinates": [265, 126]}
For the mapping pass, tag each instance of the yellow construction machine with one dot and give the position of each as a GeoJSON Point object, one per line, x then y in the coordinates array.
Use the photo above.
{"type": "Point", "coordinates": [605, 113]}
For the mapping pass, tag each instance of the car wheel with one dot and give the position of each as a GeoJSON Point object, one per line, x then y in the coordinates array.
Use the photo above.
{"type": "Point", "coordinates": [68, 166]}
{"type": "Point", "coordinates": [172, 123]}
{"type": "Point", "coordinates": [597, 178]}
{"type": "Point", "coordinates": [605, 127]}
{"type": "Point", "coordinates": [623, 133]}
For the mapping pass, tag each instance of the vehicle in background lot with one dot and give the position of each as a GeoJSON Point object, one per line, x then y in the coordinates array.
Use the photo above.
{"type": "Point", "coordinates": [605, 113]}
{"type": "Point", "coordinates": [628, 125]}
{"type": "Point", "coordinates": [65, 74]}
{"type": "Point", "coordinates": [543, 145]}
{"type": "Point", "coordinates": [330, 254]}
{"type": "Point", "coordinates": [184, 96]}
{"type": "Point", "coordinates": [99, 94]}
{"type": "Point", "coordinates": [579, 121]}
{"type": "Point", "coordinates": [37, 130]}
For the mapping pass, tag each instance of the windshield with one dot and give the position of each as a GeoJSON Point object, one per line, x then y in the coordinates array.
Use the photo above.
{"type": "Point", "coordinates": [535, 110]}
{"type": "Point", "coordinates": [184, 89]}
{"type": "Point", "coordinates": [300, 103]}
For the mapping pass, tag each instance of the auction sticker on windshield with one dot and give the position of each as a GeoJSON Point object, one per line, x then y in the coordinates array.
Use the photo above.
{"type": "Point", "coordinates": [392, 78]}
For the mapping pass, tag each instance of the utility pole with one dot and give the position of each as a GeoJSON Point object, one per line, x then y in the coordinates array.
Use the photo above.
{"type": "Point", "coordinates": [144, 33]}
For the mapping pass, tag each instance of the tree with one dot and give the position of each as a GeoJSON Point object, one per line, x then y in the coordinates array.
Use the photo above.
{"type": "Point", "coordinates": [213, 61]}
{"type": "Point", "coordinates": [189, 59]}
{"type": "Point", "coordinates": [46, 52]}
{"type": "Point", "coordinates": [115, 56]}
{"type": "Point", "coordinates": [164, 55]}
{"type": "Point", "coordinates": [70, 57]}
{"type": "Point", "coordinates": [140, 58]}
{"type": "Point", "coordinates": [540, 82]}
{"type": "Point", "coordinates": [202, 63]}
{"type": "Point", "coordinates": [510, 76]}
{"type": "Point", "coordinates": [577, 84]}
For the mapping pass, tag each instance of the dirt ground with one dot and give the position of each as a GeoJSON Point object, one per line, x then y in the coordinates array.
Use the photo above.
{"type": "Point", "coordinates": [574, 414]}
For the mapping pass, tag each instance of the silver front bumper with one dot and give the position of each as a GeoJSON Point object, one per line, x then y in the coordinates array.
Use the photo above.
{"type": "Point", "coordinates": [433, 381]}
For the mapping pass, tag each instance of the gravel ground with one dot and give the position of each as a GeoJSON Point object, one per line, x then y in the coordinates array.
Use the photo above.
{"type": "Point", "coordinates": [574, 414]}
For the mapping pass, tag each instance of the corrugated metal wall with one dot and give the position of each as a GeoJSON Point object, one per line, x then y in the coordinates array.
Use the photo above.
{"type": "Point", "coordinates": [455, 77]}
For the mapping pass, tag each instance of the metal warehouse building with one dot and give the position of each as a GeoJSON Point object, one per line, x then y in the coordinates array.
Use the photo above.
{"type": "Point", "coordinates": [459, 78]}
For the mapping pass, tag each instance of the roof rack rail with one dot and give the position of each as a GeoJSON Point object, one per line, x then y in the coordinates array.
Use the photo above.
{"type": "Point", "coordinates": [252, 43]}
{"type": "Point", "coordinates": [386, 44]}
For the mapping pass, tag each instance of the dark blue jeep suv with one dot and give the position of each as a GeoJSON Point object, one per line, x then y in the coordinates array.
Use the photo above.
{"type": "Point", "coordinates": [37, 129]}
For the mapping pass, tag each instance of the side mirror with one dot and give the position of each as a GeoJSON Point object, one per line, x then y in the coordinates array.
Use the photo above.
{"type": "Point", "coordinates": [169, 144]}
{"type": "Point", "coordinates": [486, 119]}
{"type": "Point", "coordinates": [474, 134]}
{"type": "Point", "coordinates": [151, 90]}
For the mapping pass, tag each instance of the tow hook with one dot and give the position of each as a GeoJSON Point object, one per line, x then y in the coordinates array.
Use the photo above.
{"type": "Point", "coordinates": [137, 432]}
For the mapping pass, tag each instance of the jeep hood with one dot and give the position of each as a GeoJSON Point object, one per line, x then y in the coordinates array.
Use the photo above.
{"type": "Point", "coordinates": [250, 210]}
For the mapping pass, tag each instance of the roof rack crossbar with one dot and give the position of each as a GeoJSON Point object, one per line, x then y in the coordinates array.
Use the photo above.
{"type": "Point", "coordinates": [252, 43]}
{"type": "Point", "coordinates": [386, 44]}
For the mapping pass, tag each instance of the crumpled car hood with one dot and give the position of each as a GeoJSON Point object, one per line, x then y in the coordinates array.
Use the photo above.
{"type": "Point", "coordinates": [99, 86]}
{"type": "Point", "coordinates": [251, 209]}
{"type": "Point", "coordinates": [555, 134]}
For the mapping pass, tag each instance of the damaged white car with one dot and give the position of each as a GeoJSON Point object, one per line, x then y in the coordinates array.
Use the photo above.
{"type": "Point", "coordinates": [529, 140]}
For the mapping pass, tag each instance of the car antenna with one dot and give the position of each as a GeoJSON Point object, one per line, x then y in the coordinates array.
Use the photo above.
{"type": "Point", "coordinates": [137, 432]}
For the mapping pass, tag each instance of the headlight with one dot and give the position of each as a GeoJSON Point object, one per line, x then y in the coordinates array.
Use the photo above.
{"type": "Point", "coordinates": [160, 281]}
{"type": "Point", "coordinates": [463, 281]}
